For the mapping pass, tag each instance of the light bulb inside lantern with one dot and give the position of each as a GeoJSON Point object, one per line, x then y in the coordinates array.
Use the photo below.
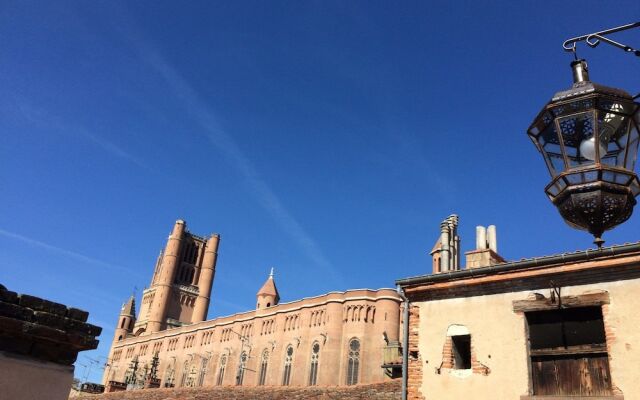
{"type": "Point", "coordinates": [610, 124]}
{"type": "Point", "coordinates": [588, 149]}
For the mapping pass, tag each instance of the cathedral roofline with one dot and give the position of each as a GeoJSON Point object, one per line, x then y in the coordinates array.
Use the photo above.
{"type": "Point", "coordinates": [330, 297]}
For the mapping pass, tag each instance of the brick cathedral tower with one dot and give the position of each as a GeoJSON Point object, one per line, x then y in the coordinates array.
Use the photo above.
{"type": "Point", "coordinates": [181, 285]}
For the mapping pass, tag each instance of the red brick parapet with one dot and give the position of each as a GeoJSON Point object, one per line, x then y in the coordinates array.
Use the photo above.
{"type": "Point", "coordinates": [44, 330]}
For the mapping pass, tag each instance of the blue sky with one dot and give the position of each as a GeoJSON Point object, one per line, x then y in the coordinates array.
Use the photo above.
{"type": "Point", "coordinates": [325, 139]}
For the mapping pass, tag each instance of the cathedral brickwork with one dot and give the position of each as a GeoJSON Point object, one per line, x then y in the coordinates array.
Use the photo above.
{"type": "Point", "coordinates": [338, 338]}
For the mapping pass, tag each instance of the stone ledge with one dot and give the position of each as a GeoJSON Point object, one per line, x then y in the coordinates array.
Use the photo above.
{"type": "Point", "coordinates": [43, 329]}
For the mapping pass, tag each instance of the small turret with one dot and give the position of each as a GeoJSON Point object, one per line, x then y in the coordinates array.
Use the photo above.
{"type": "Point", "coordinates": [268, 294]}
{"type": "Point", "coordinates": [126, 320]}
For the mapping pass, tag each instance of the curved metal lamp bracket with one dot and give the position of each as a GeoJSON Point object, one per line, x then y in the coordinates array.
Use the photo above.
{"type": "Point", "coordinates": [594, 39]}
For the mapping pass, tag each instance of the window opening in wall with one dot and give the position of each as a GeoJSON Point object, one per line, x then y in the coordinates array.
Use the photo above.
{"type": "Point", "coordinates": [185, 373]}
{"type": "Point", "coordinates": [170, 375]}
{"type": "Point", "coordinates": [313, 372]}
{"type": "Point", "coordinates": [461, 346]}
{"type": "Point", "coordinates": [203, 370]}
{"type": "Point", "coordinates": [287, 366]}
{"type": "Point", "coordinates": [264, 361]}
{"type": "Point", "coordinates": [223, 365]}
{"type": "Point", "coordinates": [568, 352]}
{"type": "Point", "coordinates": [354, 362]}
{"type": "Point", "coordinates": [241, 368]}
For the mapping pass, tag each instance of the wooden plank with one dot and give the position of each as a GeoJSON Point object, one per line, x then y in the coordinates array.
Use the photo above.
{"type": "Point", "coordinates": [566, 375]}
{"type": "Point", "coordinates": [598, 368]}
{"type": "Point", "coordinates": [584, 300]}
{"type": "Point", "coordinates": [585, 349]}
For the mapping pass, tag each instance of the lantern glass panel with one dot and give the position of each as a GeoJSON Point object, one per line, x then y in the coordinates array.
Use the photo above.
{"type": "Point", "coordinates": [612, 134]}
{"type": "Point", "coordinates": [550, 148]}
{"type": "Point", "coordinates": [578, 137]}
{"type": "Point", "coordinates": [582, 177]}
{"type": "Point", "coordinates": [635, 187]}
{"type": "Point", "coordinates": [615, 106]}
{"type": "Point", "coordinates": [632, 147]}
{"type": "Point", "coordinates": [615, 177]}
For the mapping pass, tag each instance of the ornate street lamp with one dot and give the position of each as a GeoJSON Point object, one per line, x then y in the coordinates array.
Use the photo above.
{"type": "Point", "coordinates": [588, 136]}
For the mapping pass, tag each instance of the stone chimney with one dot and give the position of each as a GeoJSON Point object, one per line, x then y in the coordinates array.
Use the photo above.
{"type": "Point", "coordinates": [486, 252]}
{"type": "Point", "coordinates": [446, 252]}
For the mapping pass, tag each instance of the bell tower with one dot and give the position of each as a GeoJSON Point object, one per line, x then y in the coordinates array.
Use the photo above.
{"type": "Point", "coordinates": [180, 288]}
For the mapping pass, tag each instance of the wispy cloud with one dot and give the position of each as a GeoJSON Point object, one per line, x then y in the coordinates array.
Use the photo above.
{"type": "Point", "coordinates": [223, 141]}
{"type": "Point", "coordinates": [43, 119]}
{"type": "Point", "coordinates": [61, 251]}
{"type": "Point", "coordinates": [112, 148]}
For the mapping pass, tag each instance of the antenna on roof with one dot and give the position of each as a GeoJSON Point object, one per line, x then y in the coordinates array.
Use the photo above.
{"type": "Point", "coordinates": [271, 273]}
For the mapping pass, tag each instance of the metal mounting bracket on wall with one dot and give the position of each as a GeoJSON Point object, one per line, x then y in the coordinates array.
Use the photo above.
{"type": "Point", "coordinates": [594, 39]}
{"type": "Point", "coordinates": [555, 293]}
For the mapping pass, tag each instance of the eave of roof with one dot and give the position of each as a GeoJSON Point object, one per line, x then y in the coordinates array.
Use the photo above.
{"type": "Point", "coordinates": [535, 262]}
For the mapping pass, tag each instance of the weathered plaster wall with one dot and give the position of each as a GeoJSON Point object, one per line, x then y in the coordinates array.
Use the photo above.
{"type": "Point", "coordinates": [31, 379]}
{"type": "Point", "coordinates": [498, 339]}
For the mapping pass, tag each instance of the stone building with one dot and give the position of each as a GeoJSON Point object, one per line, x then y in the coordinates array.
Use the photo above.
{"type": "Point", "coordinates": [552, 327]}
{"type": "Point", "coordinates": [338, 338]}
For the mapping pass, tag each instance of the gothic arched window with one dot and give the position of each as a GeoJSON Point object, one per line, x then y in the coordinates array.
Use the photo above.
{"type": "Point", "coordinates": [287, 366]}
{"type": "Point", "coordinates": [241, 368]}
{"type": "Point", "coordinates": [170, 375]}
{"type": "Point", "coordinates": [315, 355]}
{"type": "Point", "coordinates": [185, 373]}
{"type": "Point", "coordinates": [353, 365]}
{"type": "Point", "coordinates": [264, 362]}
{"type": "Point", "coordinates": [203, 370]}
{"type": "Point", "coordinates": [223, 365]}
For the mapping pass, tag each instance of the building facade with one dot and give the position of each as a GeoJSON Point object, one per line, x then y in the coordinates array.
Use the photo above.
{"type": "Point", "coordinates": [338, 338]}
{"type": "Point", "coordinates": [552, 327]}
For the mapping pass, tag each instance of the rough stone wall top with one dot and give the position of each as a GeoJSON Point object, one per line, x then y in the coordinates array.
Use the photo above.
{"type": "Point", "coordinates": [38, 328]}
{"type": "Point", "coordinates": [379, 391]}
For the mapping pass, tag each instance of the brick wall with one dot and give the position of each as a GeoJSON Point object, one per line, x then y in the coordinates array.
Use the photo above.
{"type": "Point", "coordinates": [379, 391]}
{"type": "Point", "coordinates": [448, 358]}
{"type": "Point", "coordinates": [415, 359]}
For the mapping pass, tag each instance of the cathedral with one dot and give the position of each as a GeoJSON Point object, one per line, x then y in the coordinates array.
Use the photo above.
{"type": "Point", "coordinates": [339, 338]}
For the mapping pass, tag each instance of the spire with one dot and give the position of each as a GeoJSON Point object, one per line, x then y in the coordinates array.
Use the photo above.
{"type": "Point", "coordinates": [269, 289]}
{"type": "Point", "coordinates": [129, 308]}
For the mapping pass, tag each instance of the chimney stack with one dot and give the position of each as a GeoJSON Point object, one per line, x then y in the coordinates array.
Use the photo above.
{"type": "Point", "coordinates": [486, 252]}
{"type": "Point", "coordinates": [446, 252]}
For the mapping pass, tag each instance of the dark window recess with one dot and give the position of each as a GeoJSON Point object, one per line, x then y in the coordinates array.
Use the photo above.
{"type": "Point", "coordinates": [568, 352]}
{"type": "Point", "coordinates": [565, 328]}
{"type": "Point", "coordinates": [461, 346]}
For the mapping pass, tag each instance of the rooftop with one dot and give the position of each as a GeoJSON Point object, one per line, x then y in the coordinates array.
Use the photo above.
{"type": "Point", "coordinates": [526, 263]}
